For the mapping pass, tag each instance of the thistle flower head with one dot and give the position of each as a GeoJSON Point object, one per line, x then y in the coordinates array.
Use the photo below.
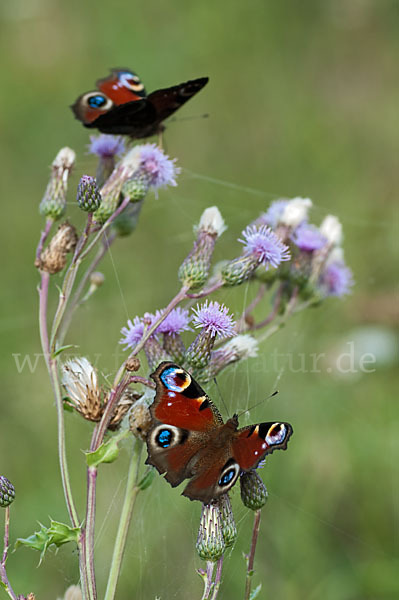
{"type": "Point", "coordinates": [152, 162]}
{"type": "Point", "coordinates": [273, 214]}
{"type": "Point", "coordinates": [106, 146]}
{"type": "Point", "coordinates": [7, 492]}
{"type": "Point", "coordinates": [175, 323]}
{"type": "Point", "coordinates": [331, 228]}
{"type": "Point", "coordinates": [263, 244]}
{"type": "Point", "coordinates": [211, 222]}
{"type": "Point", "coordinates": [295, 211]}
{"type": "Point", "coordinates": [214, 318]}
{"type": "Point", "coordinates": [72, 593]}
{"type": "Point", "coordinates": [241, 346]}
{"type": "Point", "coordinates": [228, 525]}
{"type": "Point", "coordinates": [253, 490]}
{"type": "Point", "coordinates": [132, 333]}
{"type": "Point", "coordinates": [210, 542]}
{"type": "Point", "coordinates": [80, 381]}
{"type": "Point", "coordinates": [54, 258]}
{"type": "Point", "coordinates": [308, 237]}
{"type": "Point", "coordinates": [336, 279]}
{"type": "Point", "coordinates": [88, 195]}
{"type": "Point", "coordinates": [53, 204]}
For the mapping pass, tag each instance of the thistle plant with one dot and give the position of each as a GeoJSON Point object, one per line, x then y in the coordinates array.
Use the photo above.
{"type": "Point", "coordinates": [290, 264]}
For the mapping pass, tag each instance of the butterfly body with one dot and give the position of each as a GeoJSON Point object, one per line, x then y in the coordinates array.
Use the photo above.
{"type": "Point", "coordinates": [189, 440]}
{"type": "Point", "coordinates": [121, 105]}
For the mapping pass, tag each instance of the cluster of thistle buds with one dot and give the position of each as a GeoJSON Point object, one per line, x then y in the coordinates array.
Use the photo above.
{"type": "Point", "coordinates": [217, 529]}
{"type": "Point", "coordinates": [124, 182]}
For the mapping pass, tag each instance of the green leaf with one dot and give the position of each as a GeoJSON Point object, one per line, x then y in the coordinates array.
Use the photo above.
{"type": "Point", "coordinates": [62, 349]}
{"type": "Point", "coordinates": [255, 593]}
{"type": "Point", "coordinates": [147, 479]}
{"type": "Point", "coordinates": [3, 585]}
{"type": "Point", "coordinates": [57, 534]}
{"type": "Point", "coordinates": [106, 453]}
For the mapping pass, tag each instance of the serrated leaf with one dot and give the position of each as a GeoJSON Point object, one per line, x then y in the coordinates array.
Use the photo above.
{"type": "Point", "coordinates": [62, 349]}
{"type": "Point", "coordinates": [255, 593]}
{"type": "Point", "coordinates": [57, 534]}
{"type": "Point", "coordinates": [147, 479]}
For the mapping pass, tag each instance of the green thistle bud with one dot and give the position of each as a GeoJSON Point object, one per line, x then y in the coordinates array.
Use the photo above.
{"type": "Point", "coordinates": [88, 196]}
{"type": "Point", "coordinates": [137, 187]}
{"type": "Point", "coordinates": [239, 270]}
{"type": "Point", "coordinates": [229, 529]}
{"type": "Point", "coordinates": [53, 204]}
{"type": "Point", "coordinates": [126, 222]}
{"type": "Point", "coordinates": [154, 352]}
{"type": "Point", "coordinates": [210, 542]}
{"type": "Point", "coordinates": [253, 490]}
{"type": "Point", "coordinates": [194, 270]}
{"type": "Point", "coordinates": [198, 353]}
{"type": "Point", "coordinates": [174, 346]}
{"type": "Point", "coordinates": [7, 492]}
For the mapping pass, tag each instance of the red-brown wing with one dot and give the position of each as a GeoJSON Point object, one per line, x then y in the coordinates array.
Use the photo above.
{"type": "Point", "coordinates": [181, 402]}
{"type": "Point", "coordinates": [122, 86]}
{"type": "Point", "coordinates": [251, 444]}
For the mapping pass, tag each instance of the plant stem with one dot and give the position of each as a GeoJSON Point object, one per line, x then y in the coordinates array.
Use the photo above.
{"type": "Point", "coordinates": [210, 565]}
{"type": "Point", "coordinates": [218, 577]}
{"type": "Point", "coordinates": [52, 367]}
{"type": "Point", "coordinates": [242, 321]}
{"type": "Point", "coordinates": [77, 297]}
{"type": "Point", "coordinates": [43, 238]}
{"type": "Point", "coordinates": [3, 572]}
{"type": "Point", "coordinates": [89, 526]}
{"type": "Point", "coordinates": [71, 273]}
{"type": "Point", "coordinates": [251, 557]}
{"type": "Point", "coordinates": [131, 492]}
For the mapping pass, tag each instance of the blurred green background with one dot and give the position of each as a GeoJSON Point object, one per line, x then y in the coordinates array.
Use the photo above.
{"type": "Point", "coordinates": [303, 100]}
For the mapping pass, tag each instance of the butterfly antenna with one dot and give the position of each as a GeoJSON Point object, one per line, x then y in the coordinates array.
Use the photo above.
{"type": "Point", "coordinates": [190, 118]}
{"type": "Point", "coordinates": [257, 404]}
{"type": "Point", "coordinates": [220, 395]}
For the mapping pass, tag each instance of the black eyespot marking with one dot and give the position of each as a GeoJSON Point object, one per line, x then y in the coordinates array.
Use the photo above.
{"type": "Point", "coordinates": [227, 477]}
{"type": "Point", "coordinates": [96, 101]}
{"type": "Point", "coordinates": [205, 404]}
{"type": "Point", "coordinates": [164, 438]}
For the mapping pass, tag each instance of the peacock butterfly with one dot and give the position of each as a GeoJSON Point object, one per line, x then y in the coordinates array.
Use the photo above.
{"type": "Point", "coordinates": [187, 438]}
{"type": "Point", "coordinates": [121, 105]}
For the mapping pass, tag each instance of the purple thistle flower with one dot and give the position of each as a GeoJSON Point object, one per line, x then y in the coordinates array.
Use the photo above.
{"type": "Point", "coordinates": [308, 237]}
{"type": "Point", "coordinates": [133, 333]}
{"type": "Point", "coordinates": [160, 169]}
{"type": "Point", "coordinates": [106, 146]}
{"type": "Point", "coordinates": [272, 216]}
{"type": "Point", "coordinates": [264, 245]}
{"type": "Point", "coordinates": [214, 318]}
{"type": "Point", "coordinates": [337, 279]}
{"type": "Point", "coordinates": [135, 329]}
{"type": "Point", "coordinates": [176, 322]}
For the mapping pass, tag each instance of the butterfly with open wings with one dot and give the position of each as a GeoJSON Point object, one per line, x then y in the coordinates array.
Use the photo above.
{"type": "Point", "coordinates": [121, 105]}
{"type": "Point", "coordinates": [187, 438]}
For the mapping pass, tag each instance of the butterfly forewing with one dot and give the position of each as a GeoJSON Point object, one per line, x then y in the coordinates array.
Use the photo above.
{"type": "Point", "coordinates": [251, 444]}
